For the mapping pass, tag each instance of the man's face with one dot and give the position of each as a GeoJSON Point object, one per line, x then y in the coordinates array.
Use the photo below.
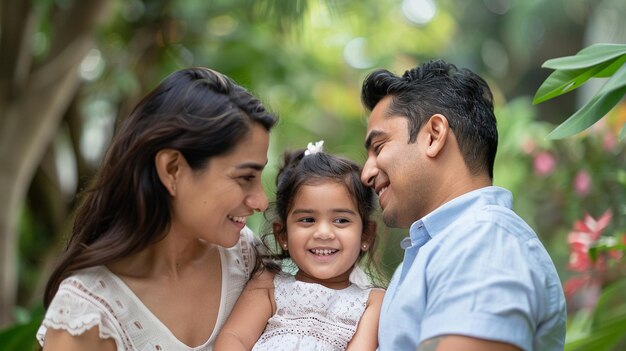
{"type": "Point", "coordinates": [397, 170]}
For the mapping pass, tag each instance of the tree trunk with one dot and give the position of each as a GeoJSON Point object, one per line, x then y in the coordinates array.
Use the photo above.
{"type": "Point", "coordinates": [33, 104]}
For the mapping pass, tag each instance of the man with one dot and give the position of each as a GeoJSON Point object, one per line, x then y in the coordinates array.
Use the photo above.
{"type": "Point", "coordinates": [474, 275]}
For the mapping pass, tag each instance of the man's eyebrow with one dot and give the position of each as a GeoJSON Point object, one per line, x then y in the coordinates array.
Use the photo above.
{"type": "Point", "coordinates": [253, 165]}
{"type": "Point", "coordinates": [373, 134]}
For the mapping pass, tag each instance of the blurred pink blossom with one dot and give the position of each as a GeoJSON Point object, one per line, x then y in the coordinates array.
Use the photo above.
{"type": "Point", "coordinates": [528, 145]}
{"type": "Point", "coordinates": [584, 235]}
{"type": "Point", "coordinates": [544, 163]}
{"type": "Point", "coordinates": [582, 183]}
{"type": "Point", "coordinates": [609, 141]}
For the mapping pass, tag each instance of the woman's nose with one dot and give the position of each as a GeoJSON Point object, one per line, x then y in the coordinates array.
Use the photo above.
{"type": "Point", "coordinates": [258, 200]}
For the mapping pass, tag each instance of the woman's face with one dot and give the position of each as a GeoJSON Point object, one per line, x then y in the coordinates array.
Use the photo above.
{"type": "Point", "coordinates": [212, 204]}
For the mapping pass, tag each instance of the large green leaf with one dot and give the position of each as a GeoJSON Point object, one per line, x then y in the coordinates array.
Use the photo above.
{"type": "Point", "coordinates": [601, 103]}
{"type": "Point", "coordinates": [608, 325]}
{"type": "Point", "coordinates": [19, 337]}
{"type": "Point", "coordinates": [563, 81]}
{"type": "Point", "coordinates": [587, 57]}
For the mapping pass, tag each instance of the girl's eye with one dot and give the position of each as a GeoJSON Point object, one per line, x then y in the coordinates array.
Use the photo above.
{"type": "Point", "coordinates": [342, 220]}
{"type": "Point", "coordinates": [306, 220]}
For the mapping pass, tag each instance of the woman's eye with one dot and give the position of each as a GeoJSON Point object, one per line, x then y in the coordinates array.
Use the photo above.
{"type": "Point", "coordinates": [247, 178]}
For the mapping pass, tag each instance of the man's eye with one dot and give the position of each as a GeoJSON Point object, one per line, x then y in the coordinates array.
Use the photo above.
{"type": "Point", "coordinates": [377, 148]}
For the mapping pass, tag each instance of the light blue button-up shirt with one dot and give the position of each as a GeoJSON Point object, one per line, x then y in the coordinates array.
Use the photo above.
{"type": "Point", "coordinates": [474, 268]}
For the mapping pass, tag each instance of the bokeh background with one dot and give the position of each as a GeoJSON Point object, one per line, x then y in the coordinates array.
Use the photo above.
{"type": "Point", "coordinates": [70, 70]}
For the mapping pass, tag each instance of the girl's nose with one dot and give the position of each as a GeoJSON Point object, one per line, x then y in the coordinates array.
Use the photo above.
{"type": "Point", "coordinates": [324, 232]}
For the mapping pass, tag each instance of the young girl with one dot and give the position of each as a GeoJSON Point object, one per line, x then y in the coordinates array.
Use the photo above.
{"type": "Point", "coordinates": [323, 224]}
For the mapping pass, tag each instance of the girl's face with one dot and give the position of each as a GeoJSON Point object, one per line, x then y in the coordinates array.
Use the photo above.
{"type": "Point", "coordinates": [324, 234]}
{"type": "Point", "coordinates": [212, 204]}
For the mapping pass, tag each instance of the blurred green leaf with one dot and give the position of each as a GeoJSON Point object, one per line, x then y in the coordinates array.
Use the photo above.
{"type": "Point", "coordinates": [601, 103]}
{"type": "Point", "coordinates": [563, 81]}
{"type": "Point", "coordinates": [22, 336]}
{"type": "Point", "coordinates": [606, 326]}
{"type": "Point", "coordinates": [588, 57]}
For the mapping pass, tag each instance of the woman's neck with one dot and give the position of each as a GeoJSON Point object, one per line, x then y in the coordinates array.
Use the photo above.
{"type": "Point", "coordinates": [169, 257]}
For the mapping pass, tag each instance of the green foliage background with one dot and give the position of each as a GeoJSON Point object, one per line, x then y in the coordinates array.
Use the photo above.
{"type": "Point", "coordinates": [306, 60]}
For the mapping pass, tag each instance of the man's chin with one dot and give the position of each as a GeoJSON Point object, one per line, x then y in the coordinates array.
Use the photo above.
{"type": "Point", "coordinates": [392, 221]}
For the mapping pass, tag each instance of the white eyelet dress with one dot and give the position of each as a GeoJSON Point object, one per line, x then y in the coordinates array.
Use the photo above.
{"type": "Point", "coordinates": [96, 297]}
{"type": "Point", "coordinates": [311, 316]}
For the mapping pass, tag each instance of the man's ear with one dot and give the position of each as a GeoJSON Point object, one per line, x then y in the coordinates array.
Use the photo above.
{"type": "Point", "coordinates": [168, 167]}
{"type": "Point", "coordinates": [280, 234]}
{"type": "Point", "coordinates": [369, 234]}
{"type": "Point", "coordinates": [436, 130]}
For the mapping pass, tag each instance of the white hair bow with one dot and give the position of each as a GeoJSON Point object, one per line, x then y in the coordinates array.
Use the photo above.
{"type": "Point", "coordinates": [313, 148]}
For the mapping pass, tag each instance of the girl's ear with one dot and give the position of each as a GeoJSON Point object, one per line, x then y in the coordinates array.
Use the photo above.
{"type": "Point", "coordinates": [168, 166]}
{"type": "Point", "coordinates": [280, 234]}
{"type": "Point", "coordinates": [369, 234]}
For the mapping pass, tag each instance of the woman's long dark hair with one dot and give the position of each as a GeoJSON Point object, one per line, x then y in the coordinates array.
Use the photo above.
{"type": "Point", "coordinates": [197, 111]}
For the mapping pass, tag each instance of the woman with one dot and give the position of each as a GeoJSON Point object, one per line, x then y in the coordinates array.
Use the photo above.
{"type": "Point", "coordinates": [159, 251]}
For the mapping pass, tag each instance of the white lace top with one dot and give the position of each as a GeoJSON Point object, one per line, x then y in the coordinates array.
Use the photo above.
{"type": "Point", "coordinates": [311, 316]}
{"type": "Point", "coordinates": [96, 297]}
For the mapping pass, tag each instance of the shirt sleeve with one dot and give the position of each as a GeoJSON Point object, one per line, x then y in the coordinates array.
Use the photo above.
{"type": "Point", "coordinates": [482, 284]}
{"type": "Point", "coordinates": [75, 313]}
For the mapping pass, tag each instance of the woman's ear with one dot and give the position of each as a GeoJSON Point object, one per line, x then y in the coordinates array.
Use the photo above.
{"type": "Point", "coordinates": [280, 234]}
{"type": "Point", "coordinates": [436, 129]}
{"type": "Point", "coordinates": [168, 167]}
{"type": "Point", "coordinates": [369, 235]}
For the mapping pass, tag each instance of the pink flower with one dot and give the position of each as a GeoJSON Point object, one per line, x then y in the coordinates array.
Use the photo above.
{"type": "Point", "coordinates": [582, 183]}
{"type": "Point", "coordinates": [544, 163]}
{"type": "Point", "coordinates": [584, 235]}
{"type": "Point", "coordinates": [579, 257]}
{"type": "Point", "coordinates": [592, 226]}
{"type": "Point", "coordinates": [528, 145]}
{"type": "Point", "coordinates": [575, 284]}
{"type": "Point", "coordinates": [609, 141]}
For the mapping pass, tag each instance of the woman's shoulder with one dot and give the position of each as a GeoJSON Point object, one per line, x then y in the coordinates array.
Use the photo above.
{"type": "Point", "coordinates": [83, 301]}
{"type": "Point", "coordinates": [97, 277]}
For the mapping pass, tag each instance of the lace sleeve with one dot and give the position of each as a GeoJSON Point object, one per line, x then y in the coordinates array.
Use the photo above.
{"type": "Point", "coordinates": [76, 313]}
{"type": "Point", "coordinates": [249, 242]}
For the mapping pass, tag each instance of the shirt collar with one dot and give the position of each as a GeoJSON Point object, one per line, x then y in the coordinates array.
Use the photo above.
{"type": "Point", "coordinates": [434, 222]}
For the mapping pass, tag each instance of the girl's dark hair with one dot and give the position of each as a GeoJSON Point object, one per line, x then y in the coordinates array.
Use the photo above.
{"type": "Point", "coordinates": [197, 111]}
{"type": "Point", "coordinates": [299, 170]}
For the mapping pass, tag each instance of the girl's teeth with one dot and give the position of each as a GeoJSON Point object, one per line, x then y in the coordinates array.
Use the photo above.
{"type": "Point", "coordinates": [324, 252]}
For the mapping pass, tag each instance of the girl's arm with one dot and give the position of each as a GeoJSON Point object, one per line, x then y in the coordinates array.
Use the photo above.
{"type": "Point", "coordinates": [57, 339]}
{"type": "Point", "coordinates": [250, 314]}
{"type": "Point", "coordinates": [366, 335]}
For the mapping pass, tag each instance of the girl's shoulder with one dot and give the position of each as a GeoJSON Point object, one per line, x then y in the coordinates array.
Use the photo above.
{"type": "Point", "coordinates": [376, 296]}
{"type": "Point", "coordinates": [262, 279]}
